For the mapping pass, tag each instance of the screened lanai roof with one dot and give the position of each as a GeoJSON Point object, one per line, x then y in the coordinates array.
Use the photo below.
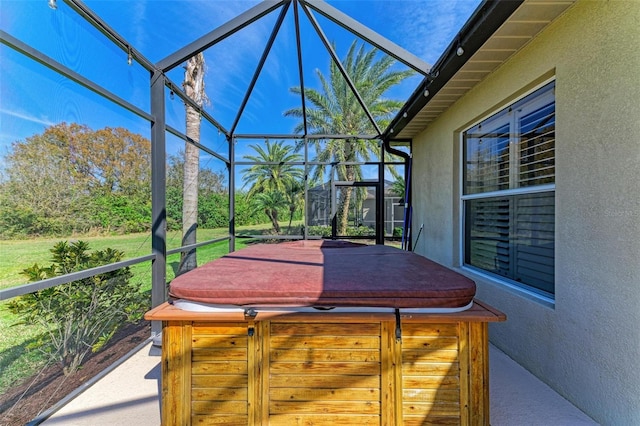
{"type": "Point", "coordinates": [255, 52]}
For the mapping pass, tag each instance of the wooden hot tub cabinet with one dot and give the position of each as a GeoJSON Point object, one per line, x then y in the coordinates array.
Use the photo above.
{"type": "Point", "coordinates": [325, 368]}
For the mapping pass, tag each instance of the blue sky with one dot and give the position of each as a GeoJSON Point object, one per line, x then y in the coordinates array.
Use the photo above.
{"type": "Point", "coordinates": [33, 97]}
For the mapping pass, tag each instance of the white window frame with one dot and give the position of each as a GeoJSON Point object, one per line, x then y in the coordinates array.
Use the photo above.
{"type": "Point", "coordinates": [503, 282]}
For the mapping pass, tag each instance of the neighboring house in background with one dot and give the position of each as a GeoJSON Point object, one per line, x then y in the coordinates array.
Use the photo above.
{"type": "Point", "coordinates": [319, 208]}
{"type": "Point", "coordinates": [526, 179]}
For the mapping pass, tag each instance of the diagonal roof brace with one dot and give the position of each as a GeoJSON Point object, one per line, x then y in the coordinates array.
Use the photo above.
{"type": "Point", "coordinates": [296, 17]}
{"type": "Point", "coordinates": [355, 27]}
{"type": "Point", "coordinates": [337, 62]}
{"type": "Point", "coordinates": [263, 59]}
{"type": "Point", "coordinates": [225, 30]}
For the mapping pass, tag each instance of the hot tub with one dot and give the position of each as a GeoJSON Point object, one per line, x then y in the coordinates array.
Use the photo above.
{"type": "Point", "coordinates": [315, 333]}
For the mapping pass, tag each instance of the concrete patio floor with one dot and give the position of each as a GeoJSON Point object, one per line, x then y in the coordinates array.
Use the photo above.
{"type": "Point", "coordinates": [129, 396]}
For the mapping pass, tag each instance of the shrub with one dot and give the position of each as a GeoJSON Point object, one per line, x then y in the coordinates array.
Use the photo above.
{"type": "Point", "coordinates": [81, 316]}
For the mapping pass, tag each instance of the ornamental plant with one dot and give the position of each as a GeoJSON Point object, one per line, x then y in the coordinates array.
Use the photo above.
{"type": "Point", "coordinates": [81, 316]}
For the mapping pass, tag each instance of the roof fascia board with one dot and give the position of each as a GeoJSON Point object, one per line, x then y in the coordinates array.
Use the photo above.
{"type": "Point", "coordinates": [369, 35]}
{"type": "Point", "coordinates": [484, 22]}
{"type": "Point", "coordinates": [225, 30]}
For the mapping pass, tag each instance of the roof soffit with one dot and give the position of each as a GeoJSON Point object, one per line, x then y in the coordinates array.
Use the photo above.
{"type": "Point", "coordinates": [529, 19]}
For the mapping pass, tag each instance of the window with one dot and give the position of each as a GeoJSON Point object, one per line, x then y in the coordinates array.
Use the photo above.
{"type": "Point", "coordinates": [509, 193]}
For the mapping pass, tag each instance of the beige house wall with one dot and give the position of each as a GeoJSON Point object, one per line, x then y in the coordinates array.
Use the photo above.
{"type": "Point", "coordinates": [586, 344]}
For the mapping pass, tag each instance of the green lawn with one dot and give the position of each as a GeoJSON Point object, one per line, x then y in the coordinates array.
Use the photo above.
{"type": "Point", "coordinates": [16, 255]}
{"type": "Point", "coordinates": [16, 361]}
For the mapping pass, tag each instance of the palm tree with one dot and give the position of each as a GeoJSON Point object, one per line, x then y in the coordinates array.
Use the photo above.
{"type": "Point", "coordinates": [398, 187]}
{"type": "Point", "coordinates": [270, 202]}
{"type": "Point", "coordinates": [273, 177]}
{"type": "Point", "coordinates": [335, 110]}
{"type": "Point", "coordinates": [295, 197]}
{"type": "Point", "coordinates": [194, 88]}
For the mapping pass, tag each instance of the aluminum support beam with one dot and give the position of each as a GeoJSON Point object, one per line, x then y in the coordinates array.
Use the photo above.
{"type": "Point", "coordinates": [296, 17]}
{"type": "Point", "coordinates": [21, 290]}
{"type": "Point", "coordinates": [91, 17]}
{"type": "Point", "coordinates": [263, 59]}
{"type": "Point", "coordinates": [203, 113]}
{"type": "Point", "coordinates": [369, 35]}
{"type": "Point", "coordinates": [158, 197]}
{"type": "Point", "coordinates": [54, 65]}
{"type": "Point", "coordinates": [336, 60]}
{"type": "Point", "coordinates": [220, 33]}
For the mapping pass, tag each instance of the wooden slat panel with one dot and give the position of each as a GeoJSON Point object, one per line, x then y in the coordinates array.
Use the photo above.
{"type": "Point", "coordinates": [432, 409]}
{"type": "Point", "coordinates": [324, 369]}
{"type": "Point", "coordinates": [327, 329]}
{"type": "Point", "coordinates": [213, 329]}
{"type": "Point", "coordinates": [323, 420]}
{"type": "Point", "coordinates": [464, 374]}
{"type": "Point", "coordinates": [423, 420]}
{"type": "Point", "coordinates": [219, 380]}
{"type": "Point", "coordinates": [324, 407]}
{"type": "Point", "coordinates": [333, 355]}
{"type": "Point", "coordinates": [430, 374]}
{"type": "Point", "coordinates": [429, 356]}
{"type": "Point", "coordinates": [430, 395]}
{"type": "Point", "coordinates": [431, 382]}
{"type": "Point", "coordinates": [349, 368]}
{"type": "Point", "coordinates": [219, 394]}
{"type": "Point", "coordinates": [222, 419]}
{"type": "Point", "coordinates": [220, 367]}
{"type": "Point", "coordinates": [325, 394]}
{"type": "Point", "coordinates": [220, 341]}
{"type": "Point", "coordinates": [390, 354]}
{"type": "Point", "coordinates": [419, 329]}
{"type": "Point", "coordinates": [433, 369]}
{"type": "Point", "coordinates": [219, 354]}
{"type": "Point", "coordinates": [325, 381]}
{"type": "Point", "coordinates": [176, 373]}
{"type": "Point", "coordinates": [324, 342]}
{"type": "Point", "coordinates": [219, 407]}
{"type": "Point", "coordinates": [478, 374]}
{"type": "Point", "coordinates": [254, 371]}
{"type": "Point", "coordinates": [429, 342]}
{"type": "Point", "coordinates": [261, 410]}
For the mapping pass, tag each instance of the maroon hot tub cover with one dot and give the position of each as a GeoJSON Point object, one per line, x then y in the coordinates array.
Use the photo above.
{"type": "Point", "coordinates": [324, 273]}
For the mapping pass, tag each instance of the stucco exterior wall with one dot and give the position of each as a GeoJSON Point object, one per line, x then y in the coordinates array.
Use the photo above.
{"type": "Point", "coordinates": [587, 344]}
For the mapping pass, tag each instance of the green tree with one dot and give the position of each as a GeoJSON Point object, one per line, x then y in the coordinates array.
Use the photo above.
{"type": "Point", "coordinates": [273, 170]}
{"type": "Point", "coordinates": [270, 202]}
{"type": "Point", "coordinates": [81, 316]}
{"type": "Point", "coordinates": [398, 187]}
{"type": "Point", "coordinates": [335, 110]}
{"type": "Point", "coordinates": [62, 180]}
{"type": "Point", "coordinates": [295, 198]}
{"type": "Point", "coordinates": [213, 195]}
{"type": "Point", "coordinates": [273, 179]}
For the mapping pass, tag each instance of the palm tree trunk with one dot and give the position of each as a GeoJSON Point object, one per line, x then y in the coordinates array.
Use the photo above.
{"type": "Point", "coordinates": [274, 218]}
{"type": "Point", "coordinates": [344, 202]}
{"type": "Point", "coordinates": [194, 88]}
{"type": "Point", "coordinates": [292, 210]}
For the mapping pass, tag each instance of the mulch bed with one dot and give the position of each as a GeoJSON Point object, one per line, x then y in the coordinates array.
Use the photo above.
{"type": "Point", "coordinates": [26, 400]}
